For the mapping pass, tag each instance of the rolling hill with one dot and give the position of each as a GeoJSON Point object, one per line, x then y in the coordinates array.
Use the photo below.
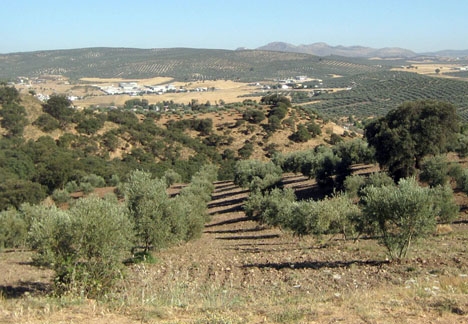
{"type": "Point", "coordinates": [182, 64]}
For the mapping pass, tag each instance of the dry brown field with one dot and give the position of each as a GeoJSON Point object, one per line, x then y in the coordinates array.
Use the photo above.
{"type": "Point", "coordinates": [228, 91]}
{"type": "Point", "coordinates": [430, 68]}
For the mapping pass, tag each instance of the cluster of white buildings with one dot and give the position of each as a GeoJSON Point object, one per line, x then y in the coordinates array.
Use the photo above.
{"type": "Point", "coordinates": [133, 89]}
{"type": "Point", "coordinates": [44, 97]}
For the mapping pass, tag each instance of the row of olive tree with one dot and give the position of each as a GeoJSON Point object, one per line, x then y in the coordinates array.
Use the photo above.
{"type": "Point", "coordinates": [328, 165]}
{"type": "Point", "coordinates": [396, 214]}
{"type": "Point", "coordinates": [87, 244]}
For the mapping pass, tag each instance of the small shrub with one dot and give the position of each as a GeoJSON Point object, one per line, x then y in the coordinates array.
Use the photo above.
{"type": "Point", "coordinates": [335, 139]}
{"type": "Point", "coordinates": [13, 229]}
{"type": "Point", "coordinates": [246, 151]}
{"type": "Point", "coordinates": [61, 196]}
{"type": "Point", "coordinates": [147, 199]}
{"type": "Point", "coordinates": [114, 181]}
{"type": "Point", "coordinates": [400, 214]}
{"type": "Point", "coordinates": [329, 216]}
{"type": "Point", "coordinates": [86, 187]}
{"type": "Point", "coordinates": [72, 186]}
{"type": "Point", "coordinates": [46, 123]}
{"type": "Point", "coordinates": [444, 200]}
{"type": "Point", "coordinates": [301, 135]}
{"type": "Point", "coordinates": [255, 174]}
{"type": "Point", "coordinates": [85, 245]}
{"type": "Point", "coordinates": [462, 180]}
{"type": "Point", "coordinates": [434, 170]}
{"type": "Point", "coordinates": [171, 177]}
{"type": "Point", "coordinates": [353, 185]}
{"type": "Point", "coordinates": [94, 180]}
{"type": "Point", "coordinates": [271, 207]}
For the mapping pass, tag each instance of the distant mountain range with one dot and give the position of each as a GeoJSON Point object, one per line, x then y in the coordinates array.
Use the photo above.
{"type": "Point", "coordinates": [323, 49]}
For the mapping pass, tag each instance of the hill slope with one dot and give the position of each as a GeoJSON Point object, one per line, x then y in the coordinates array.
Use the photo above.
{"type": "Point", "coordinates": [183, 64]}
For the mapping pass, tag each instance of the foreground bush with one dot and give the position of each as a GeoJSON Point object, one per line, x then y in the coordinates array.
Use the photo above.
{"type": "Point", "coordinates": [400, 214]}
{"type": "Point", "coordinates": [85, 245]}
{"type": "Point", "coordinates": [270, 207]}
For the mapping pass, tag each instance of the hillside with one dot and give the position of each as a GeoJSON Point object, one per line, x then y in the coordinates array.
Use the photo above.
{"type": "Point", "coordinates": [182, 64]}
{"type": "Point", "coordinates": [374, 94]}
{"type": "Point", "coordinates": [228, 125]}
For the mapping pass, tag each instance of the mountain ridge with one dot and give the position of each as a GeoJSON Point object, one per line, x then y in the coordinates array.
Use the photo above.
{"type": "Point", "coordinates": [324, 49]}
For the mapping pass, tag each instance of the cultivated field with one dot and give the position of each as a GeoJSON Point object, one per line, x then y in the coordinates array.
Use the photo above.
{"type": "Point", "coordinates": [244, 272]}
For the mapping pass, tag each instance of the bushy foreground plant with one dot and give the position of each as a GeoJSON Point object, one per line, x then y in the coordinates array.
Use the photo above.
{"type": "Point", "coordinates": [444, 200]}
{"type": "Point", "coordinates": [147, 202]}
{"type": "Point", "coordinates": [270, 207]}
{"type": "Point", "coordinates": [400, 214]}
{"type": "Point", "coordinates": [354, 184]}
{"type": "Point", "coordinates": [84, 245]}
{"type": "Point", "coordinates": [461, 177]}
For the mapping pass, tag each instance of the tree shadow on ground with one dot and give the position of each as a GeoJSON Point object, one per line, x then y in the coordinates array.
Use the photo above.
{"type": "Point", "coordinates": [25, 288]}
{"type": "Point", "coordinates": [250, 237]}
{"type": "Point", "coordinates": [314, 192]}
{"type": "Point", "coordinates": [229, 221]}
{"type": "Point", "coordinates": [234, 231]}
{"type": "Point", "coordinates": [232, 209]}
{"type": "Point", "coordinates": [316, 265]}
{"type": "Point", "coordinates": [228, 191]}
{"type": "Point", "coordinates": [227, 202]}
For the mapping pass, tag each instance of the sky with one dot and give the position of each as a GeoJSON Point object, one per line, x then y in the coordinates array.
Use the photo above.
{"type": "Point", "coordinates": [417, 25]}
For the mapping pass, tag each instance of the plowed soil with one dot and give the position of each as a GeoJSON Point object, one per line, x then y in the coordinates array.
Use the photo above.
{"type": "Point", "coordinates": [240, 271]}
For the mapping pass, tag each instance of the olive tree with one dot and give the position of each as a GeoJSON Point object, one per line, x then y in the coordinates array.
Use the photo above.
{"type": "Point", "coordinates": [254, 174]}
{"type": "Point", "coordinates": [85, 245]}
{"type": "Point", "coordinates": [400, 214]}
{"type": "Point", "coordinates": [147, 201]}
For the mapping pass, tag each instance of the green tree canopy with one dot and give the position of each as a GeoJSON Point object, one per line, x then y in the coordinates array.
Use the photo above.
{"type": "Point", "coordinates": [407, 134]}
{"type": "Point", "coordinates": [58, 106]}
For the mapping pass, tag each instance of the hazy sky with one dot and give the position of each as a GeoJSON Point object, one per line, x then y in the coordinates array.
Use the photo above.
{"type": "Point", "coordinates": [418, 25]}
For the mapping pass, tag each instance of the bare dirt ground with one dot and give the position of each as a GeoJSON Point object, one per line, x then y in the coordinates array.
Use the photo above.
{"type": "Point", "coordinates": [430, 68]}
{"type": "Point", "coordinates": [242, 272]}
